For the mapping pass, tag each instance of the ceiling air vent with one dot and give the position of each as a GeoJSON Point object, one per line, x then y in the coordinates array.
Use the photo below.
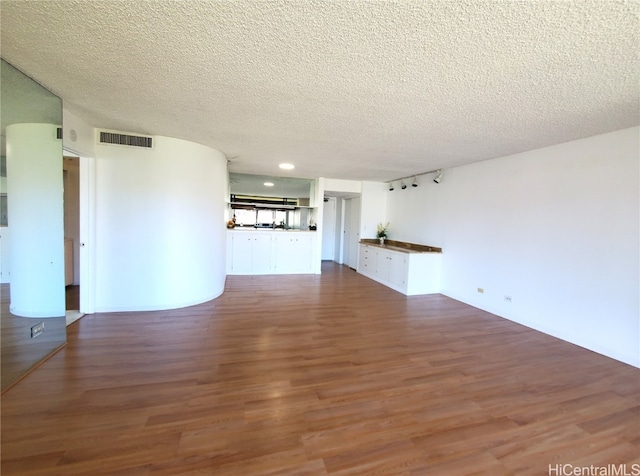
{"type": "Point", "coordinates": [125, 139]}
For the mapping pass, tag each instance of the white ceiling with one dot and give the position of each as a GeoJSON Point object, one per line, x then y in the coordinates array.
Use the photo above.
{"type": "Point", "coordinates": [349, 89]}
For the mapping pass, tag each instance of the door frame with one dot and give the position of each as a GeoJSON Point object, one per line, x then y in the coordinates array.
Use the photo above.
{"type": "Point", "coordinates": [87, 256]}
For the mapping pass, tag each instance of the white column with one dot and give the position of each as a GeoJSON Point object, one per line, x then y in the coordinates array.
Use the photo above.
{"type": "Point", "coordinates": [36, 215]}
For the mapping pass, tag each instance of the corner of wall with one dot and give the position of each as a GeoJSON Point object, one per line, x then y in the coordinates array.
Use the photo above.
{"type": "Point", "coordinates": [78, 135]}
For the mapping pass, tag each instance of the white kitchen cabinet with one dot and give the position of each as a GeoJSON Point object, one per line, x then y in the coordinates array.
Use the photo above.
{"type": "Point", "coordinates": [250, 253]}
{"type": "Point", "coordinates": [391, 268]}
{"type": "Point", "coordinates": [397, 269]}
{"type": "Point", "coordinates": [382, 265]}
{"type": "Point", "coordinates": [294, 253]}
{"type": "Point", "coordinates": [368, 260]}
{"type": "Point", "coordinates": [270, 252]}
{"type": "Point", "coordinates": [410, 273]}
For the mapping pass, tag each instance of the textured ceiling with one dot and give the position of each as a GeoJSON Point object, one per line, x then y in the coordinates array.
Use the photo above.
{"type": "Point", "coordinates": [369, 90]}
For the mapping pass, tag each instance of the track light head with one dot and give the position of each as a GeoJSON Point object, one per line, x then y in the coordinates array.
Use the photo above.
{"type": "Point", "coordinates": [403, 185]}
{"type": "Point", "coordinates": [391, 187]}
{"type": "Point", "coordinates": [438, 176]}
{"type": "Point", "coordinates": [415, 181]}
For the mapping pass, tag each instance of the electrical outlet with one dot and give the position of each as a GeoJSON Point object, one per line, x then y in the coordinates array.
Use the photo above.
{"type": "Point", "coordinates": [37, 330]}
{"type": "Point", "coordinates": [507, 298]}
{"type": "Point", "coordinates": [481, 290]}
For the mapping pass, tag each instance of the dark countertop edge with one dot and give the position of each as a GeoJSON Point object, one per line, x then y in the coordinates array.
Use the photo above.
{"type": "Point", "coordinates": [269, 230]}
{"type": "Point", "coordinates": [402, 246]}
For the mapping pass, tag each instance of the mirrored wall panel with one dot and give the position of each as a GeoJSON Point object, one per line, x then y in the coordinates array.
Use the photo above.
{"type": "Point", "coordinates": [32, 297]}
{"type": "Point", "coordinates": [270, 186]}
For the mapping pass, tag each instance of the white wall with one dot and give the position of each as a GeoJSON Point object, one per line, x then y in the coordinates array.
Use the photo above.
{"type": "Point", "coordinates": [317, 217]}
{"type": "Point", "coordinates": [374, 208]}
{"type": "Point", "coordinates": [160, 225]}
{"type": "Point", "coordinates": [556, 229]}
{"type": "Point", "coordinates": [36, 257]}
{"type": "Point", "coordinates": [414, 214]}
{"type": "Point", "coordinates": [78, 136]}
{"type": "Point", "coordinates": [339, 185]}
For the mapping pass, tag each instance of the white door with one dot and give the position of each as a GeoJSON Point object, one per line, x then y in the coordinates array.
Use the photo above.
{"type": "Point", "coordinates": [355, 236]}
{"type": "Point", "coordinates": [346, 232]}
{"type": "Point", "coordinates": [329, 229]}
{"type": "Point", "coordinates": [353, 224]}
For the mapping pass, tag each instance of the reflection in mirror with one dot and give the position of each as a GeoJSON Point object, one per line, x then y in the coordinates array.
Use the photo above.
{"type": "Point", "coordinates": [261, 201]}
{"type": "Point", "coordinates": [31, 231]}
{"type": "Point", "coordinates": [282, 187]}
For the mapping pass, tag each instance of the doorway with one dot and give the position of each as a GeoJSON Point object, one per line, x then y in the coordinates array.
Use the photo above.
{"type": "Point", "coordinates": [341, 227]}
{"type": "Point", "coordinates": [71, 182]}
{"type": "Point", "coordinates": [329, 229]}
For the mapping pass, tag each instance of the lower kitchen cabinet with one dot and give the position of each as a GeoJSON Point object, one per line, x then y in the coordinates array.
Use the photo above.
{"type": "Point", "coordinates": [410, 273]}
{"type": "Point", "coordinates": [368, 260]}
{"type": "Point", "coordinates": [250, 253]}
{"type": "Point", "coordinates": [294, 253]}
{"type": "Point", "coordinates": [270, 252]}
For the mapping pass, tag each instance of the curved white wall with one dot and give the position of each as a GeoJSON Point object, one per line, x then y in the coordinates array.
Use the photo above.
{"type": "Point", "coordinates": [160, 229]}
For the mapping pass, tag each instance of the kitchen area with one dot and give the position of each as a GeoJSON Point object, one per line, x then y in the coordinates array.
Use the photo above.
{"type": "Point", "coordinates": [272, 226]}
{"type": "Point", "coordinates": [272, 229]}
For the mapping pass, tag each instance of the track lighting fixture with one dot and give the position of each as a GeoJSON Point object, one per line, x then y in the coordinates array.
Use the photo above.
{"type": "Point", "coordinates": [414, 183]}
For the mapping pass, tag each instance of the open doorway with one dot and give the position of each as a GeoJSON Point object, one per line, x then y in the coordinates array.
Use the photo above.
{"type": "Point", "coordinates": [343, 210]}
{"type": "Point", "coordinates": [329, 226]}
{"type": "Point", "coordinates": [71, 182]}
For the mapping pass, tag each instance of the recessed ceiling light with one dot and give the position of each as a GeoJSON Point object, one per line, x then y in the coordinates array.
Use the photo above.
{"type": "Point", "coordinates": [268, 184]}
{"type": "Point", "coordinates": [287, 166]}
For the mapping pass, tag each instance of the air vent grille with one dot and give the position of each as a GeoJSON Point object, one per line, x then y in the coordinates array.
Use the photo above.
{"type": "Point", "coordinates": [126, 139]}
{"type": "Point", "coordinates": [59, 133]}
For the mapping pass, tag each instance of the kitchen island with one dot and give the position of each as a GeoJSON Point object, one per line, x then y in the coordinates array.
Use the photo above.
{"type": "Point", "coordinates": [252, 251]}
{"type": "Point", "coordinates": [408, 268]}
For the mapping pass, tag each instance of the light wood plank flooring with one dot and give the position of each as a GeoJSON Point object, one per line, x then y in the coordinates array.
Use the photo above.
{"type": "Point", "coordinates": [318, 375]}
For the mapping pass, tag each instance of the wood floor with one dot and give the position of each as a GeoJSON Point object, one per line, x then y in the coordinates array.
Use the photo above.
{"type": "Point", "coordinates": [19, 352]}
{"type": "Point", "coordinates": [72, 297]}
{"type": "Point", "coordinates": [318, 375]}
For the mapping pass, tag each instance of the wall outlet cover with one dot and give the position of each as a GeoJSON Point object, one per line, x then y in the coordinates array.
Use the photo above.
{"type": "Point", "coordinates": [37, 329]}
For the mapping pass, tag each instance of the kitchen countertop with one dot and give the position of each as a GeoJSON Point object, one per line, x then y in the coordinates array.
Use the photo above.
{"type": "Point", "coordinates": [250, 228]}
{"type": "Point", "coordinates": [402, 246]}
